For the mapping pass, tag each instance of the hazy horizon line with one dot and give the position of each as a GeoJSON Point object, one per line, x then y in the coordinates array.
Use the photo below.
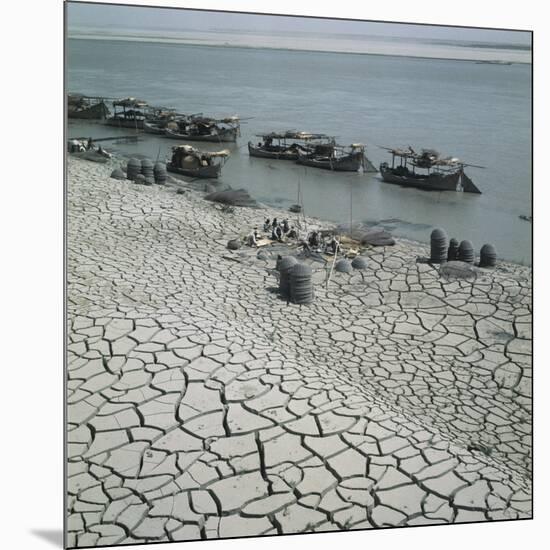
{"type": "Point", "coordinates": [98, 36]}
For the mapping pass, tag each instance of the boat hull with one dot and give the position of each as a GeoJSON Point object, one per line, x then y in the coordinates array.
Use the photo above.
{"type": "Point", "coordinates": [212, 171]}
{"type": "Point", "coordinates": [431, 182]}
{"type": "Point", "coordinates": [125, 123]}
{"type": "Point", "coordinates": [349, 163]}
{"type": "Point", "coordinates": [286, 154]}
{"type": "Point", "coordinates": [229, 135]}
{"type": "Point", "coordinates": [153, 129]}
{"type": "Point", "coordinates": [99, 111]}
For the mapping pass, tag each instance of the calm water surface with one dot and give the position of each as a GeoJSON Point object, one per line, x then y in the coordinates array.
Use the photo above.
{"type": "Point", "coordinates": [478, 112]}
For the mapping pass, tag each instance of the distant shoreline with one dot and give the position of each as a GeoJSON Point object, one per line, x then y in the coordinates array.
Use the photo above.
{"type": "Point", "coordinates": [194, 43]}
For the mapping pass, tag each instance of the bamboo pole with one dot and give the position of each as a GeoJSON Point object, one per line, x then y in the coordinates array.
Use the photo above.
{"type": "Point", "coordinates": [332, 267]}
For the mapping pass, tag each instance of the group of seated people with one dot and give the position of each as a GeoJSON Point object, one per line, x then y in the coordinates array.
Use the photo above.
{"type": "Point", "coordinates": [317, 243]}
{"type": "Point", "coordinates": [283, 231]}
{"type": "Point", "coordinates": [274, 230]}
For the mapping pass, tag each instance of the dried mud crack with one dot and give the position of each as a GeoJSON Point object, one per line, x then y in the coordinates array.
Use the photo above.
{"type": "Point", "coordinates": [200, 405]}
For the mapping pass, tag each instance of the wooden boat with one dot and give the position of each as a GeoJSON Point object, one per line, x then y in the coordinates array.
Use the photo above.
{"type": "Point", "coordinates": [157, 118]}
{"type": "Point", "coordinates": [84, 107]}
{"type": "Point", "coordinates": [188, 161]}
{"type": "Point", "coordinates": [335, 157]}
{"type": "Point", "coordinates": [204, 129]}
{"type": "Point", "coordinates": [428, 171]}
{"type": "Point", "coordinates": [128, 113]}
{"type": "Point", "coordinates": [282, 149]}
{"type": "Point", "coordinates": [154, 127]}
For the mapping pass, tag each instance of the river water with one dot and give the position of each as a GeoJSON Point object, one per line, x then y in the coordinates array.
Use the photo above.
{"type": "Point", "coordinates": [478, 112]}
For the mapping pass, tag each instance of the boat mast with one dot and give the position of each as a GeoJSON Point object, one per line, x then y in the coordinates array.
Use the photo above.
{"type": "Point", "coordinates": [351, 209]}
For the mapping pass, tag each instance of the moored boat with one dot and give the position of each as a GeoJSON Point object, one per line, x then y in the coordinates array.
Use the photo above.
{"type": "Point", "coordinates": [336, 157]}
{"type": "Point", "coordinates": [285, 145]}
{"type": "Point", "coordinates": [204, 129]}
{"type": "Point", "coordinates": [154, 127]}
{"type": "Point", "coordinates": [88, 108]}
{"type": "Point", "coordinates": [188, 161]}
{"type": "Point", "coordinates": [128, 113]}
{"type": "Point", "coordinates": [428, 171]}
{"type": "Point", "coordinates": [157, 118]}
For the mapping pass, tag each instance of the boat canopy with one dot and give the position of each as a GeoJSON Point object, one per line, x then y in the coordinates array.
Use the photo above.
{"type": "Point", "coordinates": [76, 99]}
{"type": "Point", "coordinates": [209, 121]}
{"type": "Point", "coordinates": [130, 102]}
{"type": "Point", "coordinates": [427, 158]}
{"type": "Point", "coordinates": [293, 134]}
{"type": "Point", "coordinates": [190, 150]}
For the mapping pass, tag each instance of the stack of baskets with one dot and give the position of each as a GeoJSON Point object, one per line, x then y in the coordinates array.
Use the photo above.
{"type": "Point", "coordinates": [147, 171]}
{"type": "Point", "coordinates": [160, 173]}
{"type": "Point", "coordinates": [487, 256]}
{"type": "Point", "coordinates": [438, 246]}
{"type": "Point", "coordinates": [452, 252]}
{"type": "Point", "coordinates": [133, 169]}
{"type": "Point", "coordinates": [301, 286]}
{"type": "Point", "coordinates": [466, 252]}
{"type": "Point", "coordinates": [284, 267]}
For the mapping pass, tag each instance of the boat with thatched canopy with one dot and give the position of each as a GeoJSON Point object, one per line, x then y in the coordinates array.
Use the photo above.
{"type": "Point", "coordinates": [188, 161]}
{"type": "Point", "coordinates": [128, 113]}
{"type": "Point", "coordinates": [427, 170]}
{"type": "Point", "coordinates": [199, 128]}
{"type": "Point", "coordinates": [85, 107]}
{"type": "Point", "coordinates": [285, 145]}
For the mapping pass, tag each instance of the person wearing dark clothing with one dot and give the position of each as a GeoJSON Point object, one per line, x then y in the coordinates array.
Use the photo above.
{"type": "Point", "coordinates": [267, 224]}
{"type": "Point", "coordinates": [313, 240]}
{"type": "Point", "coordinates": [278, 233]}
{"type": "Point", "coordinates": [274, 223]}
{"type": "Point", "coordinates": [286, 227]}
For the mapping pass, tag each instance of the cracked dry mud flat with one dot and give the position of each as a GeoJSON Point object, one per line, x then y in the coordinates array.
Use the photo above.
{"type": "Point", "coordinates": [200, 405]}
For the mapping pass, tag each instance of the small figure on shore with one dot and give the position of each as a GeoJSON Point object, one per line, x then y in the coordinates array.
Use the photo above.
{"type": "Point", "coordinates": [253, 238]}
{"type": "Point", "coordinates": [90, 144]}
{"type": "Point", "coordinates": [274, 223]}
{"type": "Point", "coordinates": [267, 224]}
{"type": "Point", "coordinates": [286, 227]}
{"type": "Point", "coordinates": [77, 146]}
{"type": "Point", "coordinates": [292, 233]}
{"type": "Point", "coordinates": [305, 246]}
{"type": "Point", "coordinates": [277, 233]}
{"type": "Point", "coordinates": [333, 245]}
{"type": "Point", "coordinates": [314, 240]}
